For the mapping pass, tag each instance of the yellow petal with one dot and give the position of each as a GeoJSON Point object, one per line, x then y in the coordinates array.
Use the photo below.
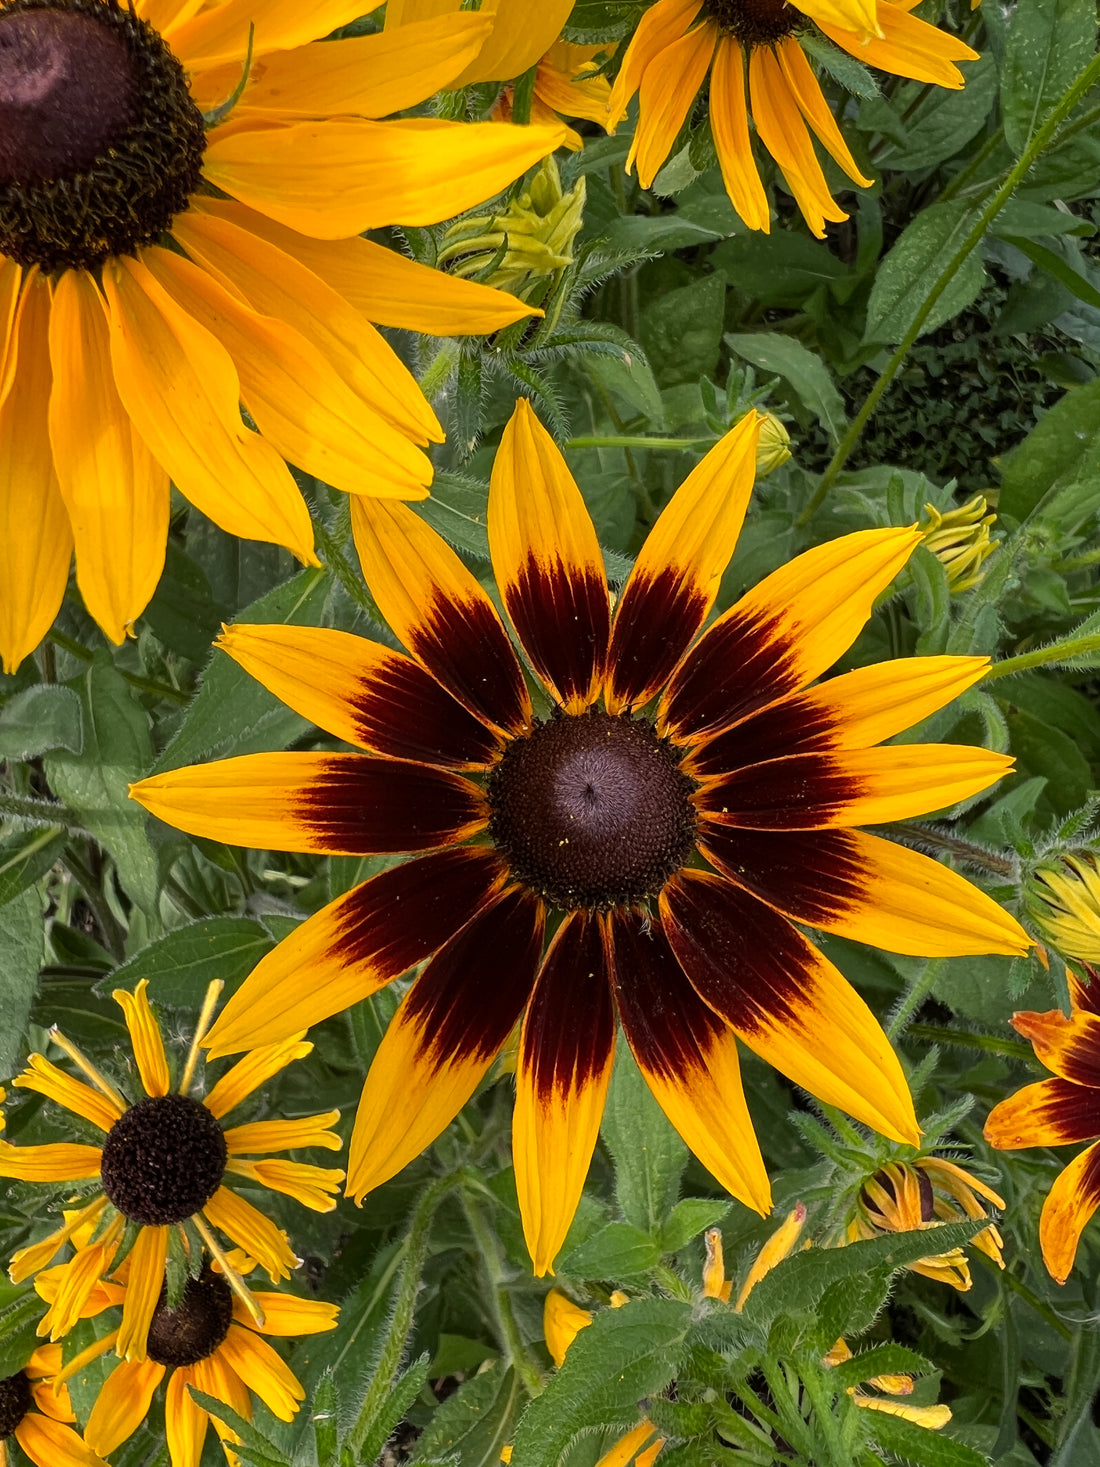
{"type": "Point", "coordinates": [60, 1161]}
{"type": "Point", "coordinates": [29, 1260]}
{"type": "Point", "coordinates": [73, 1094]}
{"type": "Point", "coordinates": [1073, 1199]}
{"type": "Point", "coordinates": [146, 1262]}
{"type": "Point", "coordinates": [122, 1403]}
{"type": "Point", "coordinates": [562, 1322]}
{"type": "Point", "coordinates": [11, 279]}
{"type": "Point", "coordinates": [115, 492]}
{"type": "Point", "coordinates": [182, 392]}
{"type": "Point", "coordinates": [76, 1283]}
{"type": "Point", "coordinates": [53, 1444]}
{"type": "Point", "coordinates": [148, 1046]}
{"type": "Point", "coordinates": [908, 46]}
{"type": "Point", "coordinates": [729, 121]}
{"type": "Point", "coordinates": [36, 540]}
{"type": "Point", "coordinates": [310, 1185]}
{"type": "Point", "coordinates": [667, 92]}
{"type": "Point", "coordinates": [806, 91]}
{"type": "Point", "coordinates": [268, 1136]}
{"type": "Point", "coordinates": [781, 129]}
{"type": "Point", "coordinates": [659, 27]}
{"type": "Point", "coordinates": [220, 33]}
{"type": "Point", "coordinates": [340, 177]}
{"type": "Point", "coordinates": [862, 16]}
{"type": "Point", "coordinates": [628, 1447]}
{"type": "Point", "coordinates": [250, 1230]}
{"type": "Point", "coordinates": [184, 1421]}
{"type": "Point", "coordinates": [251, 1072]}
{"type": "Point", "coordinates": [519, 36]}
{"type": "Point", "coordinates": [779, 1246]}
{"type": "Point", "coordinates": [255, 1361]}
{"type": "Point", "coordinates": [284, 1314]}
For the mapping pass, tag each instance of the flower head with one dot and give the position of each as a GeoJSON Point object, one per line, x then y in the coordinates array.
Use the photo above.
{"type": "Point", "coordinates": [207, 1340]}
{"type": "Point", "coordinates": [35, 1409]}
{"type": "Point", "coordinates": [162, 1168]}
{"type": "Point", "coordinates": [1060, 1111]}
{"type": "Point", "coordinates": [908, 1196]}
{"type": "Point", "coordinates": [1063, 898]}
{"type": "Point", "coordinates": [182, 187]}
{"type": "Point", "coordinates": [679, 41]}
{"type": "Point", "coordinates": [679, 802]}
{"type": "Point", "coordinates": [959, 539]}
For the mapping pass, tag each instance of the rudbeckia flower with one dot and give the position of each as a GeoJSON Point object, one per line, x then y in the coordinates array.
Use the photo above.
{"type": "Point", "coordinates": [170, 249]}
{"type": "Point", "coordinates": [679, 41]}
{"type": "Point", "coordinates": [642, 843]}
{"type": "Point", "coordinates": [164, 1164]}
{"type": "Point", "coordinates": [907, 1196]}
{"type": "Point", "coordinates": [209, 1341]}
{"type": "Point", "coordinates": [1060, 1111]}
{"type": "Point", "coordinates": [39, 1415]}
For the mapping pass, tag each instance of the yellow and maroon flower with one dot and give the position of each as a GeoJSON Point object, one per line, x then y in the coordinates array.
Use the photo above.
{"type": "Point", "coordinates": [164, 1162]}
{"type": "Point", "coordinates": [1060, 1111]}
{"type": "Point", "coordinates": [679, 41]}
{"type": "Point", "coordinates": [642, 845]}
{"type": "Point", "coordinates": [35, 1409]}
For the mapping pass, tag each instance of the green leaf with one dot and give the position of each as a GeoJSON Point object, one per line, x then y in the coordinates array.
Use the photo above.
{"type": "Point", "coordinates": [39, 719]}
{"type": "Point", "coordinates": [918, 1445]}
{"type": "Point", "coordinates": [232, 713]}
{"type": "Point", "coordinates": [689, 1218]}
{"type": "Point", "coordinates": [475, 1422]}
{"type": "Point", "coordinates": [183, 963]}
{"type": "Point", "coordinates": [887, 1359]}
{"type": "Point", "coordinates": [22, 948]}
{"type": "Point", "coordinates": [1042, 749]}
{"type": "Point", "coordinates": [805, 372]}
{"type": "Point", "coordinates": [254, 1446]}
{"type": "Point", "coordinates": [648, 1154]}
{"type": "Point", "coordinates": [617, 1251]}
{"type": "Point", "coordinates": [391, 1411]}
{"type": "Point", "coordinates": [682, 331]}
{"type": "Point", "coordinates": [852, 75]}
{"type": "Point", "coordinates": [1062, 449]}
{"type": "Point", "coordinates": [944, 121]}
{"type": "Point", "coordinates": [457, 509]}
{"type": "Point", "coordinates": [20, 1311]}
{"type": "Point", "coordinates": [25, 857]}
{"type": "Point", "coordinates": [624, 1356]}
{"type": "Point", "coordinates": [94, 783]}
{"type": "Point", "coordinates": [778, 269]}
{"type": "Point", "coordinates": [1059, 267]}
{"type": "Point", "coordinates": [1049, 44]}
{"type": "Point", "coordinates": [908, 273]}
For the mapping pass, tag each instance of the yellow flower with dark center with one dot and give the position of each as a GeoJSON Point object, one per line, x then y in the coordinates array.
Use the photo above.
{"type": "Point", "coordinates": [164, 1161]}
{"type": "Point", "coordinates": [170, 249]}
{"type": "Point", "coordinates": [1063, 898]}
{"type": "Point", "coordinates": [209, 1341]}
{"type": "Point", "coordinates": [39, 1415]}
{"type": "Point", "coordinates": [907, 1196]}
{"type": "Point", "coordinates": [679, 41]}
{"type": "Point", "coordinates": [1062, 1110]}
{"type": "Point", "coordinates": [684, 798]}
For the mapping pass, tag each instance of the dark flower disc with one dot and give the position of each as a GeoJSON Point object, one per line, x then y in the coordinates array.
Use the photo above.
{"type": "Point", "coordinates": [592, 811]}
{"type": "Point", "coordinates": [163, 1160]}
{"type": "Point", "coordinates": [192, 1331]}
{"type": "Point", "coordinates": [101, 145]}
{"type": "Point", "coordinates": [755, 22]}
{"type": "Point", "coordinates": [886, 1182]}
{"type": "Point", "coordinates": [15, 1402]}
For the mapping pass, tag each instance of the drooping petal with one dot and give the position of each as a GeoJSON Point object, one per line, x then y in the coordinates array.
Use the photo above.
{"type": "Point", "coordinates": [447, 1032]}
{"type": "Point", "coordinates": [547, 562]}
{"type": "Point", "coordinates": [251, 1230]}
{"type": "Point", "coordinates": [857, 787]}
{"type": "Point", "coordinates": [36, 541]}
{"type": "Point", "coordinates": [908, 46]}
{"type": "Point", "coordinates": [667, 92]}
{"type": "Point", "coordinates": [440, 612]}
{"type": "Point", "coordinates": [216, 1377]}
{"type": "Point", "coordinates": [729, 121]}
{"type": "Point", "coordinates": [358, 944]}
{"type": "Point", "coordinates": [1070, 1047]}
{"type": "Point", "coordinates": [148, 1046]}
{"type": "Point", "coordinates": [146, 1260]}
{"type": "Point", "coordinates": [122, 1404]}
{"type": "Point", "coordinates": [853, 711]}
{"type": "Point", "coordinates": [28, 1261]}
{"type": "Point", "coordinates": [688, 1057]}
{"type": "Point", "coordinates": [73, 1094]}
{"type": "Point", "coordinates": [77, 1280]}
{"type": "Point", "coordinates": [277, 284]}
{"type": "Point", "coordinates": [1084, 996]}
{"type": "Point", "coordinates": [783, 633]}
{"type": "Point", "coordinates": [520, 35]}
{"type": "Point", "coordinates": [562, 1322]}
{"type": "Point", "coordinates": [783, 132]}
{"type": "Point", "coordinates": [182, 392]}
{"type": "Point", "coordinates": [566, 1050]}
{"type": "Point", "coordinates": [269, 1136]}
{"type": "Point", "coordinates": [864, 888]}
{"type": "Point", "coordinates": [678, 571]}
{"type": "Point", "coordinates": [331, 804]}
{"type": "Point", "coordinates": [284, 1314]}
{"type": "Point", "coordinates": [1072, 1201]}
{"type": "Point", "coordinates": [116, 494]}
{"type": "Point", "coordinates": [806, 90]}
{"type": "Point", "coordinates": [312, 1186]}
{"type": "Point", "coordinates": [363, 693]}
{"type": "Point", "coordinates": [1052, 1112]}
{"type": "Point", "coordinates": [360, 76]}
{"type": "Point", "coordinates": [219, 34]}
{"type": "Point", "coordinates": [296, 397]}
{"type": "Point", "coordinates": [862, 16]}
{"type": "Point", "coordinates": [340, 177]}
{"type": "Point", "coordinates": [59, 1161]}
{"type": "Point", "coordinates": [248, 1074]}
{"type": "Point", "coordinates": [659, 27]}
{"type": "Point", "coordinates": [382, 285]}
{"type": "Point", "coordinates": [53, 1444]}
{"type": "Point", "coordinates": [185, 1421]}
{"type": "Point", "coordinates": [780, 995]}
{"type": "Point", "coordinates": [255, 1361]}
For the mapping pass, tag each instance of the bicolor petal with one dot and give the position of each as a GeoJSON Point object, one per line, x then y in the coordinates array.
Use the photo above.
{"type": "Point", "coordinates": [1052, 1112]}
{"type": "Point", "coordinates": [1068, 1046]}
{"type": "Point", "coordinates": [1072, 1201]}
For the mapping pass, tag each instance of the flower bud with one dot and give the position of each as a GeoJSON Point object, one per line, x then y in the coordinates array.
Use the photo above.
{"type": "Point", "coordinates": [960, 540]}
{"type": "Point", "coordinates": [1063, 898]}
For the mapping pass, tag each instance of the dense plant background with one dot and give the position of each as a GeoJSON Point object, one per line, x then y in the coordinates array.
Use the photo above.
{"type": "Point", "coordinates": [966, 287]}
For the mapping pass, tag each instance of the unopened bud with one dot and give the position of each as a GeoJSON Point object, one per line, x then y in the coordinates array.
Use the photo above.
{"type": "Point", "coordinates": [773, 447]}
{"type": "Point", "coordinates": [1063, 898]}
{"type": "Point", "coordinates": [960, 540]}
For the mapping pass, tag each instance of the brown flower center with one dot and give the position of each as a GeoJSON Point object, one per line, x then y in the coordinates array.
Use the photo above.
{"type": "Point", "coordinates": [101, 145]}
{"type": "Point", "coordinates": [755, 22]}
{"type": "Point", "coordinates": [592, 811]}
{"type": "Point", "coordinates": [15, 1402]}
{"type": "Point", "coordinates": [197, 1326]}
{"type": "Point", "coordinates": [163, 1160]}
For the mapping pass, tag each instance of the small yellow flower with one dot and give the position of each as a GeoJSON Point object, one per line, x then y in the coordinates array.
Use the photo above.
{"type": "Point", "coordinates": [35, 1409]}
{"type": "Point", "coordinates": [1063, 898]}
{"type": "Point", "coordinates": [960, 540]}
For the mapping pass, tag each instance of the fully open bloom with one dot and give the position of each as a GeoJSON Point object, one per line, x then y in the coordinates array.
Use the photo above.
{"type": "Point", "coordinates": [38, 1414]}
{"type": "Point", "coordinates": [163, 1163]}
{"type": "Point", "coordinates": [643, 844]}
{"type": "Point", "coordinates": [679, 41]}
{"type": "Point", "coordinates": [210, 1341]}
{"type": "Point", "coordinates": [124, 360]}
{"type": "Point", "coordinates": [1060, 1111]}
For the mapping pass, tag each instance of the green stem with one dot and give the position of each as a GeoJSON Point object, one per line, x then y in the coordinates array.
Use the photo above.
{"type": "Point", "coordinates": [912, 1001]}
{"type": "Point", "coordinates": [952, 845]}
{"type": "Point", "coordinates": [1034, 150]}
{"type": "Point", "coordinates": [963, 177]}
{"type": "Point", "coordinates": [42, 813]}
{"type": "Point", "coordinates": [143, 684]}
{"type": "Point", "coordinates": [938, 1034]}
{"type": "Point", "coordinates": [1021, 1290]}
{"type": "Point", "coordinates": [1043, 656]}
{"type": "Point", "coordinates": [612, 440]}
{"type": "Point", "coordinates": [338, 565]}
{"type": "Point", "coordinates": [439, 369]}
{"type": "Point", "coordinates": [500, 1301]}
{"type": "Point", "coordinates": [415, 1249]}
